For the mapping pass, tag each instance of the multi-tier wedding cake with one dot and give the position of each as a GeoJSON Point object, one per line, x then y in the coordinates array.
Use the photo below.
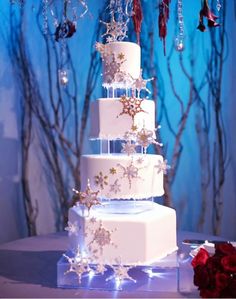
{"type": "Point", "coordinates": [114, 222]}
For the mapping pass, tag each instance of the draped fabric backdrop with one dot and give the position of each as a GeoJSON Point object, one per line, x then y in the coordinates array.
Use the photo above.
{"type": "Point", "coordinates": [44, 126]}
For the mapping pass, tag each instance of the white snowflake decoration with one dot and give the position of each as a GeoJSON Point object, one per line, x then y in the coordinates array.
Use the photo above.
{"type": "Point", "coordinates": [88, 198]}
{"type": "Point", "coordinates": [130, 172]}
{"type": "Point", "coordinates": [121, 272]}
{"type": "Point", "coordinates": [131, 134]}
{"type": "Point", "coordinates": [72, 228]}
{"type": "Point", "coordinates": [146, 137]}
{"type": "Point", "coordinates": [128, 148]}
{"type": "Point", "coordinates": [100, 48]}
{"type": "Point", "coordinates": [162, 166]}
{"type": "Point", "coordinates": [140, 160]}
{"type": "Point", "coordinates": [115, 188]}
{"type": "Point", "coordinates": [141, 84]}
{"type": "Point", "coordinates": [113, 69]}
{"type": "Point", "coordinates": [101, 180]}
{"type": "Point", "coordinates": [78, 264]}
{"type": "Point", "coordinates": [100, 237]}
{"type": "Point", "coordinates": [100, 268]}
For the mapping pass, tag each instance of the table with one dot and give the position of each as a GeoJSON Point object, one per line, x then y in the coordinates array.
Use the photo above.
{"type": "Point", "coordinates": [28, 270]}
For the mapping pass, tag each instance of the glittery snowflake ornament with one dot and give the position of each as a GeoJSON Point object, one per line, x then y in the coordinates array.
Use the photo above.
{"type": "Point", "coordinates": [115, 187]}
{"type": "Point", "coordinates": [88, 198]}
{"type": "Point", "coordinates": [121, 272]}
{"type": "Point", "coordinates": [78, 264]}
{"type": "Point", "coordinates": [128, 148]}
{"type": "Point", "coordinates": [101, 180]}
{"type": "Point", "coordinates": [162, 166]}
{"type": "Point", "coordinates": [115, 30]}
{"type": "Point", "coordinates": [141, 84]}
{"type": "Point", "coordinates": [131, 106]}
{"type": "Point", "coordinates": [99, 237]}
{"type": "Point", "coordinates": [72, 228]}
{"type": "Point", "coordinates": [130, 172]}
{"type": "Point", "coordinates": [146, 137]}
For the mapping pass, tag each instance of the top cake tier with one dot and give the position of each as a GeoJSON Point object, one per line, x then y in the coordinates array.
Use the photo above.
{"type": "Point", "coordinates": [121, 63]}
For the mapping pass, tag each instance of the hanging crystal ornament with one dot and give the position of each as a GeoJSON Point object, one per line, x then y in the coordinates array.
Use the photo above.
{"type": "Point", "coordinates": [129, 8]}
{"type": "Point", "coordinates": [63, 77]}
{"type": "Point", "coordinates": [117, 28]}
{"type": "Point", "coordinates": [218, 5]}
{"type": "Point", "coordinates": [45, 16]}
{"type": "Point", "coordinates": [179, 40]}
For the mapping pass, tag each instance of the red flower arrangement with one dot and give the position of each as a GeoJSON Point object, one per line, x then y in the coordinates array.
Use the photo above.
{"type": "Point", "coordinates": [215, 276]}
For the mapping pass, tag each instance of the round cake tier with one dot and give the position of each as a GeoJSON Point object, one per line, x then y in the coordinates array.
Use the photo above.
{"type": "Point", "coordinates": [108, 120]}
{"type": "Point", "coordinates": [119, 176]}
{"type": "Point", "coordinates": [121, 64]}
{"type": "Point", "coordinates": [140, 239]}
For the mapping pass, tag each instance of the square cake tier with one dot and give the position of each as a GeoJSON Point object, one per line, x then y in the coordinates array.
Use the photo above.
{"type": "Point", "coordinates": [132, 239]}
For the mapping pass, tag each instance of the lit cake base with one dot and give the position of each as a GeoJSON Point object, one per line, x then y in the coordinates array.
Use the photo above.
{"type": "Point", "coordinates": [162, 276]}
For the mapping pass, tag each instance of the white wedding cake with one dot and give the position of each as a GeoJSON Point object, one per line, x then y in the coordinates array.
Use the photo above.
{"type": "Point", "coordinates": [114, 219]}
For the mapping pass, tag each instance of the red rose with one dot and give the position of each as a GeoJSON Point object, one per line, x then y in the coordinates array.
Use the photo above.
{"type": "Point", "coordinates": [209, 293]}
{"type": "Point", "coordinates": [230, 290]}
{"type": "Point", "coordinates": [229, 263]}
{"type": "Point", "coordinates": [221, 280]}
{"type": "Point", "coordinates": [201, 277]}
{"type": "Point", "coordinates": [214, 263]}
{"type": "Point", "coordinates": [200, 258]}
{"type": "Point", "coordinates": [224, 249]}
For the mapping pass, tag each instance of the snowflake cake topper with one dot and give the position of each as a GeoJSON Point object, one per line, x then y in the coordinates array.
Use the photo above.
{"type": "Point", "coordinates": [88, 198]}
{"type": "Point", "coordinates": [116, 31]}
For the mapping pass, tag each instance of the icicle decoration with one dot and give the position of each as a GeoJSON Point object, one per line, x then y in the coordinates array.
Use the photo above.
{"type": "Point", "coordinates": [179, 41]}
{"type": "Point", "coordinates": [218, 5]}
{"type": "Point", "coordinates": [137, 18]}
{"type": "Point", "coordinates": [162, 21]}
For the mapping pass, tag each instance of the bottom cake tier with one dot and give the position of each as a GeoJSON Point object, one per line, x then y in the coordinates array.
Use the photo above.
{"type": "Point", "coordinates": [128, 239]}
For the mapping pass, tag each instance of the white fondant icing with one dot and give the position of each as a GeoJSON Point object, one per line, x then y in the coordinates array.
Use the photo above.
{"type": "Point", "coordinates": [129, 65]}
{"type": "Point", "coordinates": [137, 180]}
{"type": "Point", "coordinates": [141, 238]}
{"type": "Point", "coordinates": [107, 123]}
